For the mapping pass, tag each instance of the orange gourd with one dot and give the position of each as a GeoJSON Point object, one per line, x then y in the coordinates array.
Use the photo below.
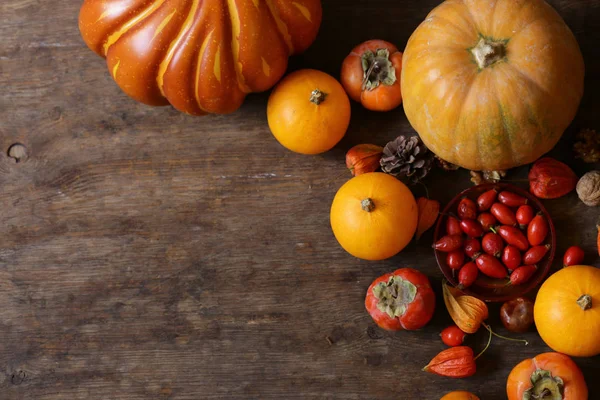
{"type": "Point", "coordinates": [567, 311]}
{"type": "Point", "coordinates": [308, 112]}
{"type": "Point", "coordinates": [547, 376]}
{"type": "Point", "coordinates": [460, 395]}
{"type": "Point", "coordinates": [201, 56]}
{"type": "Point", "coordinates": [492, 84]}
{"type": "Point", "coordinates": [374, 216]}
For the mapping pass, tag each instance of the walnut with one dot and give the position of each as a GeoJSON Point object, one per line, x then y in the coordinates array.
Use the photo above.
{"type": "Point", "coordinates": [588, 188]}
{"type": "Point", "coordinates": [479, 178]}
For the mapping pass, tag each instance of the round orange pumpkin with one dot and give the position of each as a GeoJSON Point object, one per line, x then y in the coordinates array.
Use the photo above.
{"type": "Point", "coordinates": [308, 112]}
{"type": "Point", "coordinates": [492, 84]}
{"type": "Point", "coordinates": [374, 216]}
{"type": "Point", "coordinates": [460, 395]}
{"type": "Point", "coordinates": [201, 56]}
{"type": "Point", "coordinates": [567, 311]}
{"type": "Point", "coordinates": [546, 376]}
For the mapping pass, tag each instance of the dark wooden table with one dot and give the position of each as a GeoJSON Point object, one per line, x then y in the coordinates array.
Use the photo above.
{"type": "Point", "coordinates": [146, 254]}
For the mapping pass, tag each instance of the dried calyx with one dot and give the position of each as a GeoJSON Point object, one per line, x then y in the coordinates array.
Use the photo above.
{"type": "Point", "coordinates": [545, 386]}
{"type": "Point", "coordinates": [377, 69]}
{"type": "Point", "coordinates": [394, 296]}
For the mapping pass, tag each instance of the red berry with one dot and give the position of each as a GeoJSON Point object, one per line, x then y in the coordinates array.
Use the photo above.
{"type": "Point", "coordinates": [524, 216]}
{"type": "Point", "coordinates": [492, 244]}
{"type": "Point", "coordinates": [511, 257]}
{"type": "Point", "coordinates": [573, 256]}
{"type": "Point", "coordinates": [472, 248]}
{"type": "Point", "coordinates": [503, 214]}
{"type": "Point", "coordinates": [485, 201]}
{"type": "Point", "coordinates": [535, 254]}
{"type": "Point", "coordinates": [453, 226]}
{"type": "Point", "coordinates": [522, 274]}
{"type": "Point", "coordinates": [452, 336]}
{"type": "Point", "coordinates": [467, 209]}
{"type": "Point", "coordinates": [514, 236]}
{"type": "Point", "coordinates": [537, 230]}
{"type": "Point", "coordinates": [455, 259]}
{"type": "Point", "coordinates": [449, 243]}
{"type": "Point", "coordinates": [471, 228]}
{"type": "Point", "coordinates": [487, 221]}
{"type": "Point", "coordinates": [511, 199]}
{"type": "Point", "coordinates": [467, 275]}
{"type": "Point", "coordinates": [491, 266]}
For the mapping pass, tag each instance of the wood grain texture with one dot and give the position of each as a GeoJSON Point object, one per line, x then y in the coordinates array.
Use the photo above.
{"type": "Point", "coordinates": [146, 254]}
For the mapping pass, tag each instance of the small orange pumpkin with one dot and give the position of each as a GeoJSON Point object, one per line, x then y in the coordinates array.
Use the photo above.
{"type": "Point", "coordinates": [546, 376]}
{"type": "Point", "coordinates": [374, 216]}
{"type": "Point", "coordinates": [460, 395]}
{"type": "Point", "coordinates": [308, 112]}
{"type": "Point", "coordinates": [492, 84]}
{"type": "Point", "coordinates": [201, 56]}
{"type": "Point", "coordinates": [567, 311]}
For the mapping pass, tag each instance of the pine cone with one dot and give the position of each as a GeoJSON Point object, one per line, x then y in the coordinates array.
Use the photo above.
{"type": "Point", "coordinates": [588, 146]}
{"type": "Point", "coordinates": [407, 158]}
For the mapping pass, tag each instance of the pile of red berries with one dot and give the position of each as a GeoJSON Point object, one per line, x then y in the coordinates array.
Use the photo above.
{"type": "Point", "coordinates": [500, 236]}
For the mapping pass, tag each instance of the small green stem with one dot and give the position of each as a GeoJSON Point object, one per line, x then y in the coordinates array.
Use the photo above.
{"type": "Point", "coordinates": [504, 337]}
{"type": "Point", "coordinates": [487, 345]}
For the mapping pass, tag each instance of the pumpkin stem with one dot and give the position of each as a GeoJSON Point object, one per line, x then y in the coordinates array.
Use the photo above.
{"type": "Point", "coordinates": [377, 69]}
{"type": "Point", "coordinates": [367, 205]}
{"type": "Point", "coordinates": [487, 52]}
{"type": "Point", "coordinates": [317, 96]}
{"type": "Point", "coordinates": [585, 302]}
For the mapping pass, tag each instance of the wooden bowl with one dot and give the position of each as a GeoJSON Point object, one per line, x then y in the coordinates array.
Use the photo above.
{"type": "Point", "coordinates": [485, 288]}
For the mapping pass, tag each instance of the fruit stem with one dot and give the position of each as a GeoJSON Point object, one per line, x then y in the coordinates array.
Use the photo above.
{"type": "Point", "coordinates": [504, 337]}
{"type": "Point", "coordinates": [487, 52]}
{"type": "Point", "coordinates": [367, 205]}
{"type": "Point", "coordinates": [486, 346]}
{"type": "Point", "coordinates": [317, 96]}
{"type": "Point", "coordinates": [585, 302]}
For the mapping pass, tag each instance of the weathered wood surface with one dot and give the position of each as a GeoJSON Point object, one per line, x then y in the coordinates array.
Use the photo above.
{"type": "Point", "coordinates": [145, 254]}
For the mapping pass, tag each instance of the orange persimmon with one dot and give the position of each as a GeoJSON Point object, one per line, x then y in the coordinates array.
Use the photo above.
{"type": "Point", "coordinates": [550, 373]}
{"type": "Point", "coordinates": [371, 75]}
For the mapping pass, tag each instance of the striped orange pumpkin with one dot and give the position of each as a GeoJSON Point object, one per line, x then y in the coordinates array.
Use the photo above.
{"type": "Point", "coordinates": [201, 56]}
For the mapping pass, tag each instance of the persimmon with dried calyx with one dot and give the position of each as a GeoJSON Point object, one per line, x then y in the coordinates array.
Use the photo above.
{"type": "Point", "coordinates": [374, 216]}
{"type": "Point", "coordinates": [548, 376]}
{"type": "Point", "coordinates": [308, 112]}
{"type": "Point", "coordinates": [371, 75]}
{"type": "Point", "coordinates": [401, 300]}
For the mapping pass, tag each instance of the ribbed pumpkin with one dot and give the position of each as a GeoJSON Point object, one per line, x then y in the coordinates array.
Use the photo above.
{"type": "Point", "coordinates": [201, 56]}
{"type": "Point", "coordinates": [492, 84]}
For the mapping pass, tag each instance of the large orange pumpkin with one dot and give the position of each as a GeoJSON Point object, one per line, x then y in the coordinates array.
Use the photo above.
{"type": "Point", "coordinates": [492, 84]}
{"type": "Point", "coordinates": [201, 56]}
{"type": "Point", "coordinates": [374, 216]}
{"type": "Point", "coordinates": [567, 311]}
